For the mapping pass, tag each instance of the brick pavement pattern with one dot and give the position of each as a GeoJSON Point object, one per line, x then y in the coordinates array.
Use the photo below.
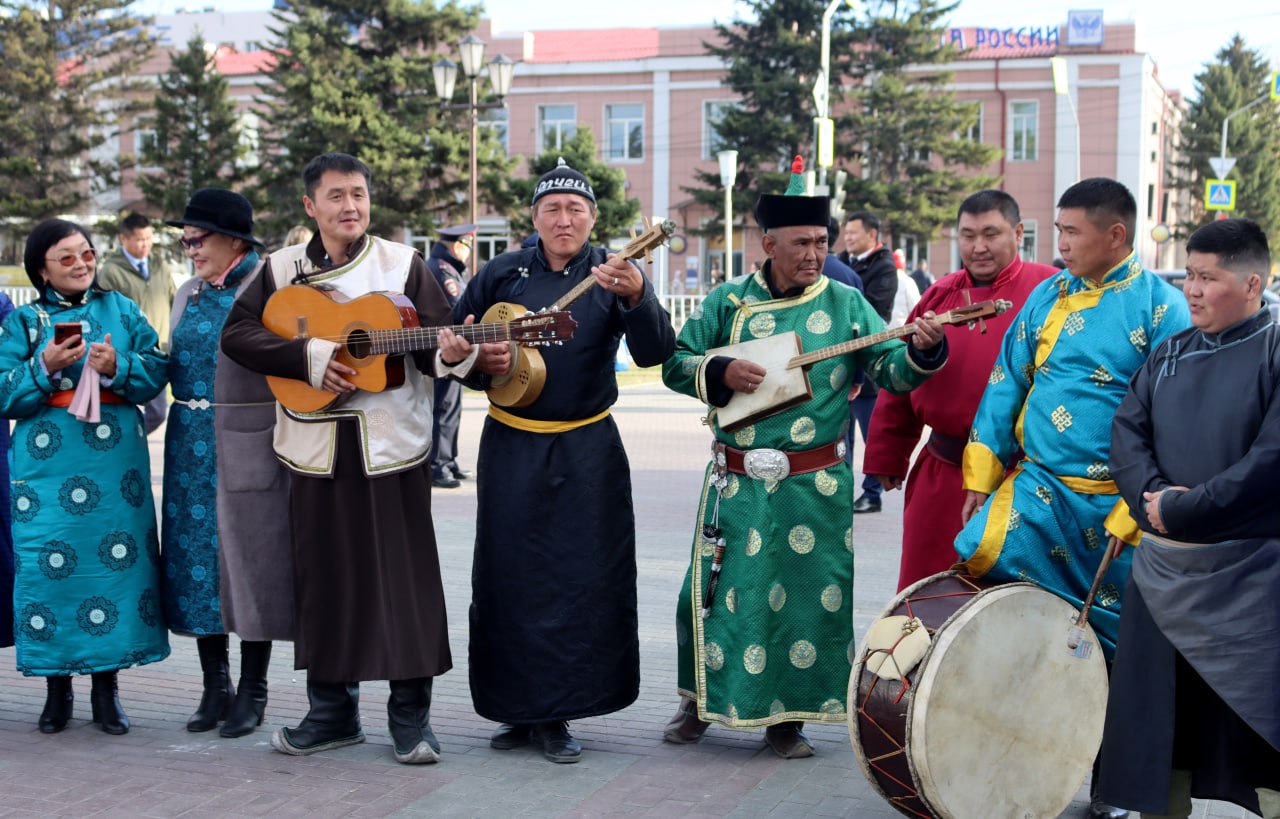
{"type": "Point", "coordinates": [161, 770]}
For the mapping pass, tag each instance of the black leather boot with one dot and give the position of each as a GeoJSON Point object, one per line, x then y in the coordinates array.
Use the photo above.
{"type": "Point", "coordinates": [105, 699]}
{"type": "Point", "coordinates": [215, 702]}
{"type": "Point", "coordinates": [332, 722]}
{"type": "Point", "coordinates": [409, 721]}
{"type": "Point", "coordinates": [58, 705]}
{"type": "Point", "coordinates": [251, 694]}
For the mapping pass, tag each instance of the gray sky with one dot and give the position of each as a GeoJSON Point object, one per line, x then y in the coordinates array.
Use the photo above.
{"type": "Point", "coordinates": [1181, 35]}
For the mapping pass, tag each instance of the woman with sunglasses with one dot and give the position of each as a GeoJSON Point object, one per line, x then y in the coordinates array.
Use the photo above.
{"type": "Point", "coordinates": [226, 564]}
{"type": "Point", "coordinates": [74, 366]}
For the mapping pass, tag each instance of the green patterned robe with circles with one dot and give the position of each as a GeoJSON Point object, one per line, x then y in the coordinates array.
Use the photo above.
{"type": "Point", "coordinates": [778, 644]}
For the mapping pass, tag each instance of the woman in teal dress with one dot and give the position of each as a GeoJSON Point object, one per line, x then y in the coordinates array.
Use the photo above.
{"type": "Point", "coordinates": [86, 586]}
{"type": "Point", "coordinates": [206, 591]}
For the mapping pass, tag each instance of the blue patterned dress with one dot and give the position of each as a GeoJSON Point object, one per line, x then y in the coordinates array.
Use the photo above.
{"type": "Point", "coordinates": [6, 522]}
{"type": "Point", "coordinates": [189, 530]}
{"type": "Point", "coordinates": [86, 587]}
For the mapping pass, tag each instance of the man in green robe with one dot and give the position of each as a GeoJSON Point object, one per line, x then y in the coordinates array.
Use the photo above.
{"type": "Point", "coordinates": [776, 645]}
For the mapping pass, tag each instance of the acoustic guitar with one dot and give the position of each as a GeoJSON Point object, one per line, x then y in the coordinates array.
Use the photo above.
{"type": "Point", "coordinates": [374, 332]}
{"type": "Point", "coordinates": [523, 384]}
{"type": "Point", "coordinates": [786, 379]}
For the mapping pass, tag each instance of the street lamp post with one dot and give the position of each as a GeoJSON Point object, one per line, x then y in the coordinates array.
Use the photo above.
{"type": "Point", "coordinates": [822, 88]}
{"type": "Point", "coordinates": [471, 51]}
{"type": "Point", "coordinates": [1058, 65]}
{"type": "Point", "coordinates": [728, 175]}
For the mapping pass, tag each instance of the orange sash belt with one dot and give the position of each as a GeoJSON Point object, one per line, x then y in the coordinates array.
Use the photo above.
{"type": "Point", "coordinates": [62, 398]}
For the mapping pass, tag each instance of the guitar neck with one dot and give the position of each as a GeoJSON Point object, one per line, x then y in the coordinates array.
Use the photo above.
{"type": "Point", "coordinates": [809, 359]}
{"type": "Point", "coordinates": [411, 339]}
{"type": "Point", "coordinates": [573, 295]}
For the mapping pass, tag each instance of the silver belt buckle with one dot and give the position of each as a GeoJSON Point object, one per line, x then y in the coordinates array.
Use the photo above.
{"type": "Point", "coordinates": [766, 464]}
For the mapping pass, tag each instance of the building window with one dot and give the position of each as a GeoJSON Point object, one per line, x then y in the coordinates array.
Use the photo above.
{"type": "Point", "coordinates": [496, 121]}
{"type": "Point", "coordinates": [1028, 249]}
{"type": "Point", "coordinates": [556, 125]}
{"type": "Point", "coordinates": [624, 131]}
{"type": "Point", "coordinates": [713, 112]}
{"type": "Point", "coordinates": [974, 134]}
{"type": "Point", "coordinates": [1024, 119]}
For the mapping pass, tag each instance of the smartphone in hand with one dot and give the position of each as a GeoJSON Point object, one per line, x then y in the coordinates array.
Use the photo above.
{"type": "Point", "coordinates": [64, 330]}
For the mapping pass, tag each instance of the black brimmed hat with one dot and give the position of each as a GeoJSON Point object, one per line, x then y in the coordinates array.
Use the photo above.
{"type": "Point", "coordinates": [793, 208]}
{"type": "Point", "coordinates": [221, 211]}
{"type": "Point", "coordinates": [563, 179]}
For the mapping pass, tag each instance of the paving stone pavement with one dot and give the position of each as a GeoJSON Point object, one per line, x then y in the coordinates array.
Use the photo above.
{"type": "Point", "coordinates": [161, 770]}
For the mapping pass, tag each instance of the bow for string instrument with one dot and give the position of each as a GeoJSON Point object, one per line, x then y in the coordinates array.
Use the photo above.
{"type": "Point", "coordinates": [523, 384]}
{"type": "Point", "coordinates": [373, 334]}
{"type": "Point", "coordinates": [786, 379]}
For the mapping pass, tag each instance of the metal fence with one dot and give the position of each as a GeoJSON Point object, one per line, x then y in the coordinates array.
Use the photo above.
{"type": "Point", "coordinates": [19, 295]}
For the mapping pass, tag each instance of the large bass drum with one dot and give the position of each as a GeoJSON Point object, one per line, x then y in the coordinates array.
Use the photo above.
{"type": "Point", "coordinates": [967, 701]}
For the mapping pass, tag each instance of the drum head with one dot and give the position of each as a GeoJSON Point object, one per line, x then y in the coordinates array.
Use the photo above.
{"type": "Point", "coordinates": [1006, 720]}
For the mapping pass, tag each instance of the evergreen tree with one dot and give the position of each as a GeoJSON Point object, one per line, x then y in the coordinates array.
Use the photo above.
{"type": "Point", "coordinates": [197, 133]}
{"type": "Point", "coordinates": [903, 130]}
{"type": "Point", "coordinates": [355, 76]}
{"type": "Point", "coordinates": [1237, 77]}
{"type": "Point", "coordinates": [68, 77]}
{"type": "Point", "coordinates": [615, 213]}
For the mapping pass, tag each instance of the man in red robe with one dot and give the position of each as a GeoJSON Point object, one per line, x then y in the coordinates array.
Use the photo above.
{"type": "Point", "coordinates": [990, 234]}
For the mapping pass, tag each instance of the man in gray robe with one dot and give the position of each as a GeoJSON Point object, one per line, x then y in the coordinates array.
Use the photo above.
{"type": "Point", "coordinates": [1195, 450]}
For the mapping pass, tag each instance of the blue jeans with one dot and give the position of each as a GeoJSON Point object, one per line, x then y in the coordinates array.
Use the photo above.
{"type": "Point", "coordinates": [861, 408]}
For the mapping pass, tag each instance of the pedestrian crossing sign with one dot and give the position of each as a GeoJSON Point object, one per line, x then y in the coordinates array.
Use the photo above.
{"type": "Point", "coordinates": [1220, 194]}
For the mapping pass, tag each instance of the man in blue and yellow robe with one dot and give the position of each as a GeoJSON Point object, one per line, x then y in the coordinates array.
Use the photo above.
{"type": "Point", "coordinates": [1041, 439]}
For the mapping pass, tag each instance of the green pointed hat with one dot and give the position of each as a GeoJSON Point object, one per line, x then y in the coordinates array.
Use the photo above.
{"type": "Point", "coordinates": [793, 207]}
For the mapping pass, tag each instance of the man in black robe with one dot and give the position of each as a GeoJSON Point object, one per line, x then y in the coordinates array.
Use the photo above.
{"type": "Point", "coordinates": [1195, 451]}
{"type": "Point", "coordinates": [553, 609]}
{"type": "Point", "coordinates": [368, 600]}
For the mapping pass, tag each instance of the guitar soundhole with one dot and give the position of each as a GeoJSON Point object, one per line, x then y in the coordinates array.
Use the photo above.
{"type": "Point", "coordinates": [359, 344]}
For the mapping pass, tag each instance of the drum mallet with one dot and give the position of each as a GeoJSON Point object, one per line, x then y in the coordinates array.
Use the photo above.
{"type": "Point", "coordinates": [1075, 637]}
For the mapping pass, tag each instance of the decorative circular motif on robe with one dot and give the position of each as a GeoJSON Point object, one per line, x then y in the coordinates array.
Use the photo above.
{"type": "Point", "coordinates": [832, 707]}
{"type": "Point", "coordinates": [102, 436]}
{"type": "Point", "coordinates": [132, 489]}
{"type": "Point", "coordinates": [79, 495]}
{"type": "Point", "coordinates": [803, 654]}
{"type": "Point", "coordinates": [803, 430]}
{"type": "Point", "coordinates": [380, 423]}
{"type": "Point", "coordinates": [690, 365]}
{"type": "Point", "coordinates": [696, 315]}
{"type": "Point", "coordinates": [7, 385]}
{"type": "Point", "coordinates": [745, 436]}
{"type": "Point", "coordinates": [43, 440]}
{"type": "Point", "coordinates": [57, 560]}
{"type": "Point", "coordinates": [839, 374]}
{"type": "Point", "coordinates": [26, 503]}
{"type": "Point", "coordinates": [715, 656]}
{"type": "Point", "coordinates": [777, 597]}
{"type": "Point", "coordinates": [754, 659]}
{"type": "Point", "coordinates": [732, 712]}
{"type": "Point", "coordinates": [848, 539]}
{"type": "Point", "coordinates": [754, 542]}
{"type": "Point", "coordinates": [826, 483]}
{"type": "Point", "coordinates": [818, 322]}
{"type": "Point", "coordinates": [731, 487]}
{"type": "Point", "coordinates": [682, 633]}
{"type": "Point", "coordinates": [750, 299]}
{"type": "Point", "coordinates": [65, 383]}
{"type": "Point", "coordinates": [32, 334]}
{"type": "Point", "coordinates": [118, 551]}
{"type": "Point", "coordinates": [731, 600]}
{"type": "Point", "coordinates": [98, 616]}
{"type": "Point", "coordinates": [801, 539]}
{"type": "Point", "coordinates": [705, 549]}
{"type": "Point", "coordinates": [149, 608]}
{"type": "Point", "coordinates": [38, 622]}
{"type": "Point", "coordinates": [776, 707]}
{"type": "Point", "coordinates": [771, 486]}
{"type": "Point", "coordinates": [832, 598]}
{"type": "Point", "coordinates": [762, 325]}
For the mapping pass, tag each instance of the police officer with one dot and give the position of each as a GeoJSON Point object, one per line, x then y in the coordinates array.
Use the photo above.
{"type": "Point", "coordinates": [448, 261]}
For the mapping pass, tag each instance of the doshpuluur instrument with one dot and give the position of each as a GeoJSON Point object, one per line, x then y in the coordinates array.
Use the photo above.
{"type": "Point", "coordinates": [374, 332]}
{"type": "Point", "coordinates": [523, 384]}
{"type": "Point", "coordinates": [786, 379]}
{"type": "Point", "coordinates": [967, 702]}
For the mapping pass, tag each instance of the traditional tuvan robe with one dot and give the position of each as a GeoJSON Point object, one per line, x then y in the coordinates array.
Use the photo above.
{"type": "Point", "coordinates": [778, 644]}
{"type": "Point", "coordinates": [1194, 681]}
{"type": "Point", "coordinates": [553, 608]}
{"type": "Point", "coordinates": [1062, 371]}
{"type": "Point", "coordinates": [946, 404]}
